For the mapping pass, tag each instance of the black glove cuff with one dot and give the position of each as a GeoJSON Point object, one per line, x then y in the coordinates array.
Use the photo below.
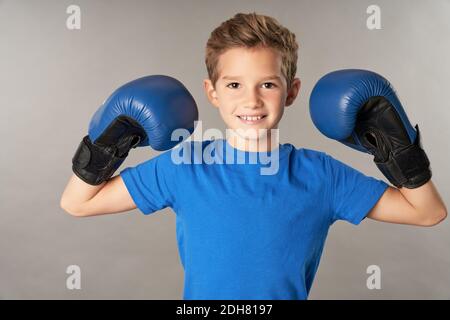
{"type": "Point", "coordinates": [408, 167]}
{"type": "Point", "coordinates": [94, 163]}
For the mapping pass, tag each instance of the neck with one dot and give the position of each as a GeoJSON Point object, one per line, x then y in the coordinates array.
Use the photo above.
{"type": "Point", "coordinates": [259, 143]}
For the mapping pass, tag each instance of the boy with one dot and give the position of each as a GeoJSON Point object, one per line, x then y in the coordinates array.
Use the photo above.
{"type": "Point", "coordinates": [242, 234]}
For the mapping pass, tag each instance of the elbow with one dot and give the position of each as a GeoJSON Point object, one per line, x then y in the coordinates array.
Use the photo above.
{"type": "Point", "coordinates": [443, 216]}
{"type": "Point", "coordinates": [431, 222]}
{"type": "Point", "coordinates": [70, 209]}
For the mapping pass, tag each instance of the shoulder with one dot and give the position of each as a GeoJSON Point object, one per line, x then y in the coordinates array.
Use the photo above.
{"type": "Point", "coordinates": [309, 163]}
{"type": "Point", "coordinates": [311, 153]}
{"type": "Point", "coordinates": [183, 152]}
{"type": "Point", "coordinates": [191, 151]}
{"type": "Point", "coordinates": [191, 144]}
{"type": "Point", "coordinates": [312, 156]}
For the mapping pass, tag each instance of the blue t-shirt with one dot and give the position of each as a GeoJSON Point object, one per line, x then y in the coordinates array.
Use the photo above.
{"type": "Point", "coordinates": [246, 235]}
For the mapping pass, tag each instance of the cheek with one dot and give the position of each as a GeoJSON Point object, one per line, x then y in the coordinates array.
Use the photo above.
{"type": "Point", "coordinates": [231, 96]}
{"type": "Point", "coordinates": [273, 95]}
{"type": "Point", "coordinates": [226, 110]}
{"type": "Point", "coordinates": [274, 100]}
{"type": "Point", "coordinates": [228, 99]}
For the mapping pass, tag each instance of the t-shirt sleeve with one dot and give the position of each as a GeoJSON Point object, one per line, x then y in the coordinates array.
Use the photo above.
{"type": "Point", "coordinates": [150, 183]}
{"type": "Point", "coordinates": [353, 194]}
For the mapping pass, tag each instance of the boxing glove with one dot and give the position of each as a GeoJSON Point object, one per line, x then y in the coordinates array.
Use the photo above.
{"type": "Point", "coordinates": [360, 109]}
{"type": "Point", "coordinates": [143, 112]}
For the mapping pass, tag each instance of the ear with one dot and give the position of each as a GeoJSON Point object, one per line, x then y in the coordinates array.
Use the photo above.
{"type": "Point", "coordinates": [210, 92]}
{"type": "Point", "coordinates": [293, 92]}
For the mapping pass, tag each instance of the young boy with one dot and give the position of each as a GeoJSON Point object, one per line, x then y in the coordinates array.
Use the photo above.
{"type": "Point", "coordinates": [243, 234]}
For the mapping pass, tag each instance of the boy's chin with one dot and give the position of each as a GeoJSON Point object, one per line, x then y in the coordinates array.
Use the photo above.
{"type": "Point", "coordinates": [252, 133]}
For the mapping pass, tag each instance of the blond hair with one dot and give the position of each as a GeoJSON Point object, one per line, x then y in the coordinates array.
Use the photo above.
{"type": "Point", "coordinates": [251, 31]}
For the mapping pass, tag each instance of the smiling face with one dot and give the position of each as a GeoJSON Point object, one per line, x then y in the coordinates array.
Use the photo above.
{"type": "Point", "coordinates": [251, 93]}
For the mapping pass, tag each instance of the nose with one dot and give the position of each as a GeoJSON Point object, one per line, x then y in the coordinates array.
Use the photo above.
{"type": "Point", "coordinates": [253, 100]}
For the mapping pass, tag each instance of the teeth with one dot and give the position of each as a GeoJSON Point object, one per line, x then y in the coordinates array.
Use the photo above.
{"type": "Point", "coordinates": [251, 118]}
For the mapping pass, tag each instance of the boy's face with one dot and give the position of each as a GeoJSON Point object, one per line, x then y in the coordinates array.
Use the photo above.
{"type": "Point", "coordinates": [251, 91]}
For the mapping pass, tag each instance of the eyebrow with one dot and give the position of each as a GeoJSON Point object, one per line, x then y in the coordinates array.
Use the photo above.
{"type": "Point", "coordinates": [273, 77]}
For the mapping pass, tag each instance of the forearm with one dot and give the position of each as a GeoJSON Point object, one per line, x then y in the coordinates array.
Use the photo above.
{"type": "Point", "coordinates": [427, 201]}
{"type": "Point", "coordinates": [78, 192]}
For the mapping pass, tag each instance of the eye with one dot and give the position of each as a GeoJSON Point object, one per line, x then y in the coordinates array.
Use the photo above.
{"type": "Point", "coordinates": [271, 85]}
{"type": "Point", "coordinates": [233, 85]}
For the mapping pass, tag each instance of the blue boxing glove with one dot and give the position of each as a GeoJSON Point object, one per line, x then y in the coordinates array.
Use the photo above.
{"type": "Point", "coordinates": [142, 112]}
{"type": "Point", "coordinates": [360, 109]}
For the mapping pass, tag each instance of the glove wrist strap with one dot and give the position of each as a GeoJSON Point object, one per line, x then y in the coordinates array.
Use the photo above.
{"type": "Point", "coordinates": [94, 163]}
{"type": "Point", "coordinates": [407, 167]}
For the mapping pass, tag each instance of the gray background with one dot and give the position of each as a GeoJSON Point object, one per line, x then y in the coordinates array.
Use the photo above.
{"type": "Point", "coordinates": [52, 80]}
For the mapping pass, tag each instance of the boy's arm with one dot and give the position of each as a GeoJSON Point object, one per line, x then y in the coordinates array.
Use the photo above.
{"type": "Point", "coordinates": [421, 206]}
{"type": "Point", "coordinates": [141, 112]}
{"type": "Point", "coordinates": [360, 108]}
{"type": "Point", "coordinates": [82, 200]}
